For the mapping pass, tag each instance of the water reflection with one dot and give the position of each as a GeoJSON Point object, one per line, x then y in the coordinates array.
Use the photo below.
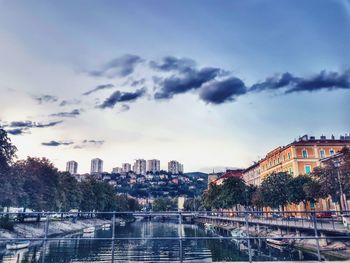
{"type": "Point", "coordinates": [90, 250]}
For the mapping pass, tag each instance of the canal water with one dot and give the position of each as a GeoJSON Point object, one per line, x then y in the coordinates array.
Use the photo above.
{"type": "Point", "coordinates": [89, 250]}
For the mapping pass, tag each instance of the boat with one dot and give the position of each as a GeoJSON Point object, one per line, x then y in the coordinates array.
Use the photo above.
{"type": "Point", "coordinates": [238, 235]}
{"type": "Point", "coordinates": [276, 241]}
{"type": "Point", "coordinates": [106, 226]}
{"type": "Point", "coordinates": [90, 229]}
{"type": "Point", "coordinates": [122, 223]}
{"type": "Point", "coordinates": [208, 227]}
{"type": "Point", "coordinates": [17, 245]}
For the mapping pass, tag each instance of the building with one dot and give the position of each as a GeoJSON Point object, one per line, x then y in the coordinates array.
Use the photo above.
{"type": "Point", "coordinates": [126, 167]}
{"type": "Point", "coordinates": [96, 166]}
{"type": "Point", "coordinates": [301, 156]}
{"type": "Point", "coordinates": [228, 174]}
{"type": "Point", "coordinates": [175, 167]}
{"type": "Point", "coordinates": [117, 170]}
{"type": "Point", "coordinates": [153, 166]}
{"type": "Point", "coordinates": [213, 177]}
{"type": "Point", "coordinates": [72, 167]}
{"type": "Point", "coordinates": [251, 175]}
{"type": "Point", "coordinates": [139, 166]}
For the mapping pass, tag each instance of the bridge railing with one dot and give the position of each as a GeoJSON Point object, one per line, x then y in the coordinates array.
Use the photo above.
{"type": "Point", "coordinates": [333, 223]}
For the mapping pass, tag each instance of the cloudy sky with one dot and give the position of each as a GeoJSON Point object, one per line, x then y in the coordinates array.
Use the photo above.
{"type": "Point", "coordinates": [209, 83]}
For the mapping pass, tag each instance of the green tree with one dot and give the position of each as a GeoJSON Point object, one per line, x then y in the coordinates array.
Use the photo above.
{"type": "Point", "coordinates": [39, 181]}
{"type": "Point", "coordinates": [274, 190]}
{"type": "Point", "coordinates": [163, 204]}
{"type": "Point", "coordinates": [296, 189]}
{"type": "Point", "coordinates": [233, 192]}
{"type": "Point", "coordinates": [69, 192]}
{"type": "Point", "coordinates": [8, 186]}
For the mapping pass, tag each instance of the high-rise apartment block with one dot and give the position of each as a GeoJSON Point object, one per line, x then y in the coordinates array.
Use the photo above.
{"type": "Point", "coordinates": [153, 166]}
{"type": "Point", "coordinates": [96, 166]}
{"type": "Point", "coordinates": [175, 167]}
{"type": "Point", "coordinates": [126, 167]}
{"type": "Point", "coordinates": [72, 167]}
{"type": "Point", "coordinates": [140, 166]}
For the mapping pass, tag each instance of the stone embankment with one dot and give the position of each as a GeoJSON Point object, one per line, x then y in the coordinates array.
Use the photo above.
{"type": "Point", "coordinates": [337, 249]}
{"type": "Point", "coordinates": [56, 228]}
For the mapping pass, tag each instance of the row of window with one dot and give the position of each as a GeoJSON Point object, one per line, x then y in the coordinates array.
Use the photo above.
{"type": "Point", "coordinates": [322, 153]}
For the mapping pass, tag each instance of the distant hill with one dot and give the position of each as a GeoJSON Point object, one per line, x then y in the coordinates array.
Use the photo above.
{"type": "Point", "coordinates": [196, 174]}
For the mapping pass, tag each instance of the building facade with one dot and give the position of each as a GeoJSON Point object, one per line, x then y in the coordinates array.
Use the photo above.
{"type": "Point", "coordinates": [117, 170]}
{"type": "Point", "coordinates": [302, 156]}
{"type": "Point", "coordinates": [72, 167]}
{"type": "Point", "coordinates": [126, 167]}
{"type": "Point", "coordinates": [153, 166]}
{"type": "Point", "coordinates": [174, 167]}
{"type": "Point", "coordinates": [251, 175]}
{"type": "Point", "coordinates": [96, 166]}
{"type": "Point", "coordinates": [140, 166]}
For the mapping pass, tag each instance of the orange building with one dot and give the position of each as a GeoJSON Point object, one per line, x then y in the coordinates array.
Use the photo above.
{"type": "Point", "coordinates": [301, 157]}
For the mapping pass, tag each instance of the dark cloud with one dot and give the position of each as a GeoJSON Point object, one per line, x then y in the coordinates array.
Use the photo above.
{"type": "Point", "coordinates": [222, 91]}
{"type": "Point", "coordinates": [290, 83]}
{"type": "Point", "coordinates": [69, 114]}
{"type": "Point", "coordinates": [119, 96]}
{"type": "Point", "coordinates": [89, 143]}
{"type": "Point", "coordinates": [30, 124]}
{"type": "Point", "coordinates": [56, 143]}
{"type": "Point", "coordinates": [324, 80]}
{"type": "Point", "coordinates": [99, 87]}
{"type": "Point", "coordinates": [122, 66]}
{"type": "Point", "coordinates": [170, 63]}
{"type": "Point", "coordinates": [139, 82]}
{"type": "Point", "coordinates": [17, 131]}
{"type": "Point", "coordinates": [275, 82]}
{"type": "Point", "coordinates": [45, 99]}
{"type": "Point", "coordinates": [193, 79]}
{"type": "Point", "coordinates": [125, 107]}
{"type": "Point", "coordinates": [69, 102]}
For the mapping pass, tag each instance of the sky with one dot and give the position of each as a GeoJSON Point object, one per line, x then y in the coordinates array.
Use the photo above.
{"type": "Point", "coordinates": [212, 84]}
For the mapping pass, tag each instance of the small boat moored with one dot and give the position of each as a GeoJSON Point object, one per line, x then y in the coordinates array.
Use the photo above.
{"type": "Point", "coordinates": [17, 245]}
{"type": "Point", "coordinates": [277, 241]}
{"type": "Point", "coordinates": [90, 229]}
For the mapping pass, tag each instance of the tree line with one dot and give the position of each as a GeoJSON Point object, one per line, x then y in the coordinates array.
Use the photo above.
{"type": "Point", "coordinates": [279, 189]}
{"type": "Point", "coordinates": [36, 184]}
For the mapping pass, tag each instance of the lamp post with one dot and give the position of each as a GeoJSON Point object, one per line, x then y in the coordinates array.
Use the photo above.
{"type": "Point", "coordinates": [341, 199]}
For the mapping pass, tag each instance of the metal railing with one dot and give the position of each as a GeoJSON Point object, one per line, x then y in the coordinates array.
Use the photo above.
{"type": "Point", "coordinates": [325, 225]}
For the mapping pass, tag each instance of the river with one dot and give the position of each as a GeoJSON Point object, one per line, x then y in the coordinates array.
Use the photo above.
{"type": "Point", "coordinates": [89, 250]}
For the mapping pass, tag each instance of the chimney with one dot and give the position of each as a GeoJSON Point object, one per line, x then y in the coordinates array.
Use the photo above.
{"type": "Point", "coordinates": [323, 137]}
{"type": "Point", "coordinates": [332, 137]}
{"type": "Point", "coordinates": [312, 138]}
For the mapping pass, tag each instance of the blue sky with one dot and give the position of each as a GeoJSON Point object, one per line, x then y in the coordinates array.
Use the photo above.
{"type": "Point", "coordinates": [172, 79]}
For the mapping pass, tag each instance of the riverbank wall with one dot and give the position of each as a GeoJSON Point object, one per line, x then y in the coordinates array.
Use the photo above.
{"type": "Point", "coordinates": [336, 249]}
{"type": "Point", "coordinates": [56, 228]}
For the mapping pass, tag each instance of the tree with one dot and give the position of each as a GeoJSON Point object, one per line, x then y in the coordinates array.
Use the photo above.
{"type": "Point", "coordinates": [296, 189]}
{"type": "Point", "coordinates": [211, 198]}
{"type": "Point", "coordinates": [273, 189]}
{"type": "Point", "coordinates": [233, 192]}
{"type": "Point", "coordinates": [39, 181]}
{"type": "Point", "coordinates": [69, 192]}
{"type": "Point", "coordinates": [163, 204]}
{"type": "Point", "coordinates": [257, 198]}
{"type": "Point", "coordinates": [8, 186]}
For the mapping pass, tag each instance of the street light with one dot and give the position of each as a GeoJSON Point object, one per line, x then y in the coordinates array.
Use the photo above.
{"type": "Point", "coordinates": [341, 199]}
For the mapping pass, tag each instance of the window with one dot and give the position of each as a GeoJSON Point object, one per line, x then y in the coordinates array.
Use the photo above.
{"type": "Point", "coordinates": [331, 152]}
{"type": "Point", "coordinates": [290, 171]}
{"type": "Point", "coordinates": [288, 155]}
{"type": "Point", "coordinates": [322, 154]}
{"type": "Point", "coordinates": [304, 153]}
{"type": "Point", "coordinates": [307, 169]}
